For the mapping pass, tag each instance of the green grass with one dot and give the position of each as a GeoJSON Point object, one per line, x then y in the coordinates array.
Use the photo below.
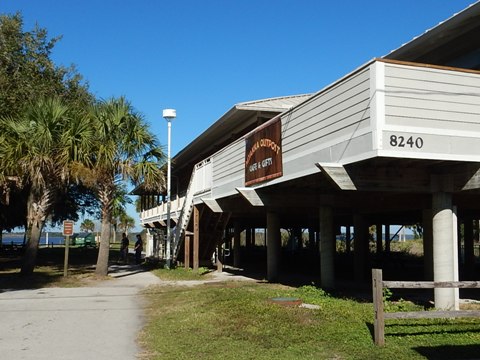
{"type": "Point", "coordinates": [239, 321]}
{"type": "Point", "coordinates": [180, 273]}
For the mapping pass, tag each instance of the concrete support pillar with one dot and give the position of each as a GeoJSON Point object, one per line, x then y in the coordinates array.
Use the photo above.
{"type": "Point", "coordinates": [360, 247]}
{"type": "Point", "coordinates": [379, 238]}
{"type": "Point", "coordinates": [427, 245]}
{"type": "Point", "coordinates": [444, 248]}
{"type": "Point", "coordinates": [273, 246]}
{"type": "Point", "coordinates": [327, 248]}
{"type": "Point", "coordinates": [236, 244]}
{"type": "Point", "coordinates": [468, 252]}
{"type": "Point", "coordinates": [219, 257]}
{"type": "Point", "coordinates": [149, 244]}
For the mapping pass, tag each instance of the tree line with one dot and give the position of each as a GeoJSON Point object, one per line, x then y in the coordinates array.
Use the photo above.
{"type": "Point", "coordinates": [63, 152]}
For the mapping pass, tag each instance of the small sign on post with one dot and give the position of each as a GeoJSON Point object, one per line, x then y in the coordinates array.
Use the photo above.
{"type": "Point", "coordinates": [68, 228]}
{"type": "Point", "coordinates": [67, 231]}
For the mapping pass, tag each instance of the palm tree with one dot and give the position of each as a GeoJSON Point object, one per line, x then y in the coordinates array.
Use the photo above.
{"type": "Point", "coordinates": [126, 222]}
{"type": "Point", "coordinates": [125, 150]}
{"type": "Point", "coordinates": [119, 205]}
{"type": "Point", "coordinates": [87, 225]}
{"type": "Point", "coordinates": [39, 147]}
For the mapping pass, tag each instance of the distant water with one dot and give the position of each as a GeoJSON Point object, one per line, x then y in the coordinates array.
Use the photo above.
{"type": "Point", "coordinates": [18, 240]}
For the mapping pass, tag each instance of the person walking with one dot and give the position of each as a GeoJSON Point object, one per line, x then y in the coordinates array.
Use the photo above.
{"type": "Point", "coordinates": [124, 248]}
{"type": "Point", "coordinates": [138, 249]}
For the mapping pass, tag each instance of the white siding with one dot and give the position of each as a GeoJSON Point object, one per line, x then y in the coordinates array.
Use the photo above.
{"type": "Point", "coordinates": [442, 107]}
{"type": "Point", "coordinates": [330, 120]}
{"type": "Point", "coordinates": [334, 126]}
{"type": "Point", "coordinates": [228, 169]}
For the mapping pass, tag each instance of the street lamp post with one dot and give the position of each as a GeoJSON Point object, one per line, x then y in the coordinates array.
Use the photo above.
{"type": "Point", "coordinates": [169, 115]}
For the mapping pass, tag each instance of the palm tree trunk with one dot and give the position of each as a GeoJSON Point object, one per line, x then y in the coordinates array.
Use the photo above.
{"type": "Point", "coordinates": [103, 252]}
{"type": "Point", "coordinates": [36, 214]}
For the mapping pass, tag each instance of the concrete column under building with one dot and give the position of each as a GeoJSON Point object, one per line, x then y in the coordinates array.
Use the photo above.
{"type": "Point", "coordinates": [327, 248]}
{"type": "Point", "coordinates": [427, 245]}
{"type": "Point", "coordinates": [444, 249]}
{"type": "Point", "coordinates": [236, 244]}
{"type": "Point", "coordinates": [219, 257]}
{"type": "Point", "coordinates": [273, 246]}
{"type": "Point", "coordinates": [360, 246]}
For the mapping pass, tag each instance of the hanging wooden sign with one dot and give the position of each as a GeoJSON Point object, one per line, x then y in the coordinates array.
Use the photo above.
{"type": "Point", "coordinates": [263, 154]}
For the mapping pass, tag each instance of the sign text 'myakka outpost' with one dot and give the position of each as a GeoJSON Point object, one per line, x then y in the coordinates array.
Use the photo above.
{"type": "Point", "coordinates": [263, 154]}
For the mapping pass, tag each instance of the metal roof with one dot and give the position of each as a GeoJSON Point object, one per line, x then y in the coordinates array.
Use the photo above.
{"type": "Point", "coordinates": [235, 120]}
{"type": "Point", "coordinates": [453, 42]}
{"type": "Point", "coordinates": [277, 104]}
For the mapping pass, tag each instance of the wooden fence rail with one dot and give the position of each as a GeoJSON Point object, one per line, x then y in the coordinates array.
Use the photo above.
{"type": "Point", "coordinates": [380, 316]}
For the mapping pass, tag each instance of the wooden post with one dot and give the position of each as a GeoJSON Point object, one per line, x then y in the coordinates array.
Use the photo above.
{"type": "Point", "coordinates": [387, 238]}
{"type": "Point", "coordinates": [196, 237]}
{"type": "Point", "coordinates": [187, 252]}
{"type": "Point", "coordinates": [379, 320]}
{"type": "Point", "coordinates": [65, 264]}
{"type": "Point", "coordinates": [248, 238]}
{"type": "Point", "coordinates": [379, 238]}
{"type": "Point", "coordinates": [468, 248]}
{"type": "Point", "coordinates": [348, 239]}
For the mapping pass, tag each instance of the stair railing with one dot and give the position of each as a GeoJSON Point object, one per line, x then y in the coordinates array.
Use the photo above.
{"type": "Point", "coordinates": [187, 208]}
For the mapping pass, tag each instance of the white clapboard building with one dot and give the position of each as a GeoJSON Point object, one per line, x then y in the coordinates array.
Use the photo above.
{"type": "Point", "coordinates": [395, 141]}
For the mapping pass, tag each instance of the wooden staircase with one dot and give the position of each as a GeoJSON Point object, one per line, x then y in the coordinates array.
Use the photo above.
{"type": "Point", "coordinates": [212, 233]}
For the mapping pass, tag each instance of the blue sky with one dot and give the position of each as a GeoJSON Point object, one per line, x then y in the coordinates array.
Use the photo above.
{"type": "Point", "coordinates": [202, 57]}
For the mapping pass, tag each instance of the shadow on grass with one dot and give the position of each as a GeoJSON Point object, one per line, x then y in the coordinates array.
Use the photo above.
{"type": "Point", "coordinates": [427, 329]}
{"type": "Point", "coordinates": [49, 268]}
{"type": "Point", "coordinates": [15, 281]}
{"type": "Point", "coordinates": [449, 352]}
{"type": "Point", "coordinates": [437, 326]}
